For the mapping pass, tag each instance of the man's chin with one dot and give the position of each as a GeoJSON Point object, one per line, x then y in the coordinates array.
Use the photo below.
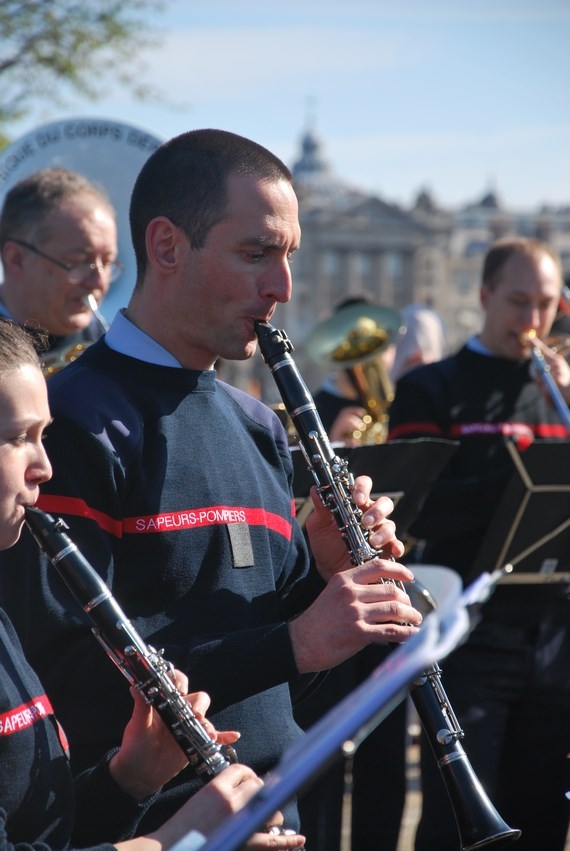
{"type": "Point", "coordinates": [250, 350]}
{"type": "Point", "coordinates": [74, 325]}
{"type": "Point", "coordinates": [240, 351]}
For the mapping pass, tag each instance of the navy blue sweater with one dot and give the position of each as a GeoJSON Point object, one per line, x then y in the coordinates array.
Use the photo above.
{"type": "Point", "coordinates": [482, 402]}
{"type": "Point", "coordinates": [38, 797]}
{"type": "Point", "coordinates": [177, 488]}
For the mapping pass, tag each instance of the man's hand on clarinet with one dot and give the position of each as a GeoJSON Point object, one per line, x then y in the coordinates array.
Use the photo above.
{"type": "Point", "coordinates": [149, 755]}
{"type": "Point", "coordinates": [354, 610]}
{"type": "Point", "coordinates": [329, 550]}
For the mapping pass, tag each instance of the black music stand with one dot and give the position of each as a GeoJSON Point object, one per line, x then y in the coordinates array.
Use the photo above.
{"type": "Point", "coordinates": [531, 527]}
{"type": "Point", "coordinates": [404, 470]}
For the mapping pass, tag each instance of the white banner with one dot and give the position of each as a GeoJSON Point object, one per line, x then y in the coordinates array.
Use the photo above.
{"type": "Point", "coordinates": [106, 152]}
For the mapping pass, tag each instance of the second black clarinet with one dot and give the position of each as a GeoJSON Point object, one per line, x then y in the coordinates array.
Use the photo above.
{"type": "Point", "coordinates": [142, 665]}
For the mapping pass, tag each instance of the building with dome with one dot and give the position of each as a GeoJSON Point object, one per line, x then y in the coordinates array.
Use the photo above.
{"type": "Point", "coordinates": [355, 243]}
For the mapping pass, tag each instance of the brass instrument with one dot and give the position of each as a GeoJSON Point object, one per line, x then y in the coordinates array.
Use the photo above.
{"type": "Point", "coordinates": [53, 361]}
{"type": "Point", "coordinates": [355, 339]}
{"type": "Point", "coordinates": [559, 343]}
{"type": "Point", "coordinates": [92, 303]}
{"type": "Point", "coordinates": [286, 421]}
{"type": "Point", "coordinates": [543, 369]}
{"type": "Point", "coordinates": [56, 359]}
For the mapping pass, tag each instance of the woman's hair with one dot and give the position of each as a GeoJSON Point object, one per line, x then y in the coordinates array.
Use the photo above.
{"type": "Point", "coordinates": [17, 347]}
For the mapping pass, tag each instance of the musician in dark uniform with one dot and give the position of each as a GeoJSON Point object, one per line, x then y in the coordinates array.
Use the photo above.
{"type": "Point", "coordinates": [41, 807]}
{"type": "Point", "coordinates": [510, 683]}
{"type": "Point", "coordinates": [178, 487]}
{"type": "Point", "coordinates": [58, 243]}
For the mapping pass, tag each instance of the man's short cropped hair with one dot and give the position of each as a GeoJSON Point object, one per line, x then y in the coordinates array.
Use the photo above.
{"type": "Point", "coordinates": [185, 180]}
{"type": "Point", "coordinates": [503, 249]}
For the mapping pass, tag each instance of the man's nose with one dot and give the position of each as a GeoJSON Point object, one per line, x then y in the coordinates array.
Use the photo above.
{"type": "Point", "coordinates": [279, 283]}
{"type": "Point", "coordinates": [98, 277]}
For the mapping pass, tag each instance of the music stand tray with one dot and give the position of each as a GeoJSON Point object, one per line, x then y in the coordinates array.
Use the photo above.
{"type": "Point", "coordinates": [404, 470]}
{"type": "Point", "coordinates": [531, 527]}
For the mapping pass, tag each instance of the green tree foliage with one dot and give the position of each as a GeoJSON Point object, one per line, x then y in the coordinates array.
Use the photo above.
{"type": "Point", "coordinates": [53, 49]}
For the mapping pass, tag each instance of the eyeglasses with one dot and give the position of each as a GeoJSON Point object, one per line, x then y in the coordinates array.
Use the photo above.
{"type": "Point", "coordinates": [76, 272]}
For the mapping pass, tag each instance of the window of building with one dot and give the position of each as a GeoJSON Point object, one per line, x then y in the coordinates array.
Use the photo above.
{"type": "Point", "coordinates": [364, 264]}
{"type": "Point", "coordinates": [331, 262]}
{"type": "Point", "coordinates": [394, 265]}
{"type": "Point", "coordinates": [476, 248]}
{"type": "Point", "coordinates": [463, 282]}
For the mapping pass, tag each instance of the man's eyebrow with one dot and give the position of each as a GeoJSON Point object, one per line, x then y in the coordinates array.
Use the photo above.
{"type": "Point", "coordinates": [267, 242]}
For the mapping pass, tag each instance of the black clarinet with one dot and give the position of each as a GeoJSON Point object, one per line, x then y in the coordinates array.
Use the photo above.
{"type": "Point", "coordinates": [478, 822]}
{"type": "Point", "coordinates": [142, 665]}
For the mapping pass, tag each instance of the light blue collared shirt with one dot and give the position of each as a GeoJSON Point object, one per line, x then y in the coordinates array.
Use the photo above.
{"type": "Point", "coordinates": [126, 338]}
{"type": "Point", "coordinates": [4, 310]}
{"type": "Point", "coordinates": [474, 344]}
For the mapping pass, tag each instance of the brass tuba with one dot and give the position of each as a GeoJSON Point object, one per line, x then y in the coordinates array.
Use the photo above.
{"type": "Point", "coordinates": [53, 361]}
{"type": "Point", "coordinates": [56, 359]}
{"type": "Point", "coordinates": [355, 339]}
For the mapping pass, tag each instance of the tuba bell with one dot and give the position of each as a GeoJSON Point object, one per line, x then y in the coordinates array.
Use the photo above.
{"type": "Point", "coordinates": [355, 339]}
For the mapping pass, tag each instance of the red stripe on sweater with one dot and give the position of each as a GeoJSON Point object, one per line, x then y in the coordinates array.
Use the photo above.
{"type": "Point", "coordinates": [524, 430]}
{"type": "Point", "coordinates": [425, 429]}
{"type": "Point", "coordinates": [171, 521]}
{"type": "Point", "coordinates": [26, 715]}
{"type": "Point", "coordinates": [54, 504]}
{"type": "Point", "coordinates": [214, 515]}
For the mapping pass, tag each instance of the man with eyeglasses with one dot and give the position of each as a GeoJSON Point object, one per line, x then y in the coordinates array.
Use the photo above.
{"type": "Point", "coordinates": [58, 243]}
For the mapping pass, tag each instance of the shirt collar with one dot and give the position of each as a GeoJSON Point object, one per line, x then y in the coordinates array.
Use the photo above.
{"type": "Point", "coordinates": [126, 338]}
{"type": "Point", "coordinates": [3, 309]}
{"type": "Point", "coordinates": [474, 344]}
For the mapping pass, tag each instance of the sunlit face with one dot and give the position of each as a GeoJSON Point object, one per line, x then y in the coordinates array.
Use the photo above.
{"type": "Point", "coordinates": [526, 296]}
{"type": "Point", "coordinates": [240, 275]}
{"type": "Point", "coordinates": [81, 229]}
{"type": "Point", "coordinates": [24, 414]}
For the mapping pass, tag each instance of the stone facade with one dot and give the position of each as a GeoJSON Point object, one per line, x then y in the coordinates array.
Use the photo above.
{"type": "Point", "coordinates": [358, 244]}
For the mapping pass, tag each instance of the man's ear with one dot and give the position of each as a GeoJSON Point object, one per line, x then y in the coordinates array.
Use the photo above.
{"type": "Point", "coordinates": [13, 256]}
{"type": "Point", "coordinates": [484, 295]}
{"type": "Point", "coordinates": [162, 239]}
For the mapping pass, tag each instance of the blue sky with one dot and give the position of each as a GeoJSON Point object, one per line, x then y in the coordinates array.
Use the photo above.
{"type": "Point", "coordinates": [447, 95]}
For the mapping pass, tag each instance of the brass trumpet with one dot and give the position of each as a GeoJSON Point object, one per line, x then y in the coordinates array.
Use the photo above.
{"type": "Point", "coordinates": [559, 343]}
{"type": "Point", "coordinates": [542, 367]}
{"type": "Point", "coordinates": [355, 339]}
